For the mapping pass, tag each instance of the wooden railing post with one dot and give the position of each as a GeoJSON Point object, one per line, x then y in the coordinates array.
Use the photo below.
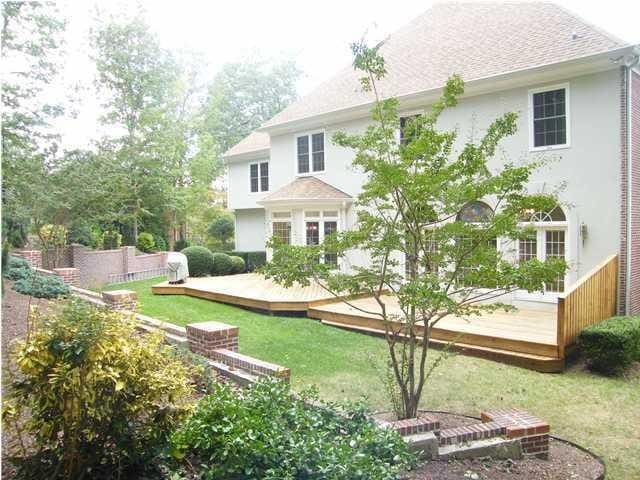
{"type": "Point", "coordinates": [560, 328]}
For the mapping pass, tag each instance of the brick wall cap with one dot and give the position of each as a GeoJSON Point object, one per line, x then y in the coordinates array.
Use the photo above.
{"type": "Point", "coordinates": [210, 326]}
{"type": "Point", "coordinates": [116, 295]}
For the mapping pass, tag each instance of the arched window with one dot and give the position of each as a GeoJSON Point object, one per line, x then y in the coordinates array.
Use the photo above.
{"type": "Point", "coordinates": [548, 240]}
{"type": "Point", "coordinates": [475, 212]}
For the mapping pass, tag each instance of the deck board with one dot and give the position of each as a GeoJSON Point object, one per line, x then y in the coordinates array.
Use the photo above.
{"type": "Point", "coordinates": [526, 337]}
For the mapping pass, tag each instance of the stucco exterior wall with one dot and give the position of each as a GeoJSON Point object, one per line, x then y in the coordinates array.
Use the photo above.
{"type": "Point", "coordinates": [589, 167]}
{"type": "Point", "coordinates": [250, 230]}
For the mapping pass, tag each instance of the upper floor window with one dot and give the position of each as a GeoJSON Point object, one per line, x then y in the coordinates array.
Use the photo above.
{"type": "Point", "coordinates": [549, 117]}
{"type": "Point", "coordinates": [310, 153]}
{"type": "Point", "coordinates": [259, 177]}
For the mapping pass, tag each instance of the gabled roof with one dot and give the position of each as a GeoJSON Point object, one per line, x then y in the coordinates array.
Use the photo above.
{"type": "Point", "coordinates": [254, 142]}
{"type": "Point", "coordinates": [306, 189]}
{"type": "Point", "coordinates": [474, 40]}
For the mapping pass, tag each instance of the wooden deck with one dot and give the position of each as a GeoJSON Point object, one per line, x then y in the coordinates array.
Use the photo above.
{"type": "Point", "coordinates": [249, 290]}
{"type": "Point", "coordinates": [526, 338]}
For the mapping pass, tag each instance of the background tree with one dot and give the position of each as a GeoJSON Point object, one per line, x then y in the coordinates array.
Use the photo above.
{"type": "Point", "coordinates": [221, 230]}
{"type": "Point", "coordinates": [409, 209]}
{"type": "Point", "coordinates": [31, 41]}
{"type": "Point", "coordinates": [246, 94]}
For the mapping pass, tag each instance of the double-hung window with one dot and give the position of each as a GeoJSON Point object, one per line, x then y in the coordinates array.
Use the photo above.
{"type": "Point", "coordinates": [310, 153]}
{"type": "Point", "coordinates": [281, 227]}
{"type": "Point", "coordinates": [549, 117]}
{"type": "Point", "coordinates": [259, 177]}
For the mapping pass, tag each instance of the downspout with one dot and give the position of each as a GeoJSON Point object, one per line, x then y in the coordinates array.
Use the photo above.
{"type": "Point", "coordinates": [633, 61]}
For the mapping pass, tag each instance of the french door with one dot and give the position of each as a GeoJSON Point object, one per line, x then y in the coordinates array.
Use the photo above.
{"type": "Point", "coordinates": [545, 243]}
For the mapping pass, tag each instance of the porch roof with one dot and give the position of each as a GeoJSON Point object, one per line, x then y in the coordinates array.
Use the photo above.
{"type": "Point", "coordinates": [305, 190]}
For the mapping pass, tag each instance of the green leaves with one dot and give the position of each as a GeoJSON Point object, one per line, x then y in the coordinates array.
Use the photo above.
{"type": "Point", "coordinates": [267, 431]}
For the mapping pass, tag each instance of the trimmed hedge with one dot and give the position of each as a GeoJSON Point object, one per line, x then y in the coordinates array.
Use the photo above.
{"type": "Point", "coordinates": [199, 261]}
{"type": "Point", "coordinates": [237, 264]}
{"type": "Point", "coordinates": [611, 346]}
{"type": "Point", "coordinates": [222, 264]}
{"type": "Point", "coordinates": [252, 260]}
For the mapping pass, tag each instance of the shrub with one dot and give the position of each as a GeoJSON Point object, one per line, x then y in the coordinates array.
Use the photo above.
{"type": "Point", "coordinates": [267, 432]}
{"type": "Point", "coordinates": [237, 264]}
{"type": "Point", "coordinates": [102, 399]}
{"type": "Point", "coordinates": [252, 260]}
{"type": "Point", "coordinates": [17, 262]}
{"type": "Point", "coordinates": [161, 243]}
{"type": "Point", "coordinates": [87, 235]}
{"type": "Point", "coordinates": [145, 242]}
{"type": "Point", "coordinates": [222, 264]}
{"type": "Point", "coordinates": [199, 261]}
{"type": "Point", "coordinates": [41, 286]}
{"type": "Point", "coordinates": [181, 245]}
{"type": "Point", "coordinates": [111, 240]}
{"type": "Point", "coordinates": [221, 229]}
{"type": "Point", "coordinates": [612, 345]}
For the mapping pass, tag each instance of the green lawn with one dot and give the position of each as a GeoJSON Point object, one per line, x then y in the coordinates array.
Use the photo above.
{"type": "Point", "coordinates": [603, 414]}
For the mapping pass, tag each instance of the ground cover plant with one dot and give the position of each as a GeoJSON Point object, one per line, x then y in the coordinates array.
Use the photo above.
{"type": "Point", "coordinates": [267, 432]}
{"type": "Point", "coordinates": [346, 366]}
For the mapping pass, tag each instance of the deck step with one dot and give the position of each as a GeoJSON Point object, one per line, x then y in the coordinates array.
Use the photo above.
{"type": "Point", "coordinates": [540, 363]}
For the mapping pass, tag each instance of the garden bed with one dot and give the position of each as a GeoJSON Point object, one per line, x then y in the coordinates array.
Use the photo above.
{"type": "Point", "coordinates": [566, 461]}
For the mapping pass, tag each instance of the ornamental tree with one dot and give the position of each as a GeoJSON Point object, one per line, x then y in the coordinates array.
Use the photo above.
{"type": "Point", "coordinates": [411, 213]}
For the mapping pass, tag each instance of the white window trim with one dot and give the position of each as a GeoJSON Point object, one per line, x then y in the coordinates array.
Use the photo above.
{"type": "Point", "coordinates": [567, 100]}
{"type": "Point", "coordinates": [541, 253]}
{"type": "Point", "coordinates": [295, 150]}
{"type": "Point", "coordinates": [259, 192]}
{"type": "Point", "coordinates": [321, 219]}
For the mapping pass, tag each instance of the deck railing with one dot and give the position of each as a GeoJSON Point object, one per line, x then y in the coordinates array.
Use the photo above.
{"type": "Point", "coordinates": [592, 299]}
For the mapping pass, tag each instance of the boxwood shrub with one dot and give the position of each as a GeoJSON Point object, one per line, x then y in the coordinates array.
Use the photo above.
{"type": "Point", "coordinates": [267, 432]}
{"type": "Point", "coordinates": [222, 264]}
{"type": "Point", "coordinates": [610, 346]}
{"type": "Point", "coordinates": [252, 260]}
{"type": "Point", "coordinates": [237, 264]}
{"type": "Point", "coordinates": [199, 261]}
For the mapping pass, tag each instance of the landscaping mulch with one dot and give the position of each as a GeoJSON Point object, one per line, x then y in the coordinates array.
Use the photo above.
{"type": "Point", "coordinates": [565, 462]}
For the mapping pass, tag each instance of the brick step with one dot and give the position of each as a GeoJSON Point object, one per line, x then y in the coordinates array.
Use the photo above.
{"type": "Point", "coordinates": [468, 433]}
{"type": "Point", "coordinates": [411, 426]}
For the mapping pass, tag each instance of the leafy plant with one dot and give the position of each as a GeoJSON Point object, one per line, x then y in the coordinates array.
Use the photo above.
{"type": "Point", "coordinates": [237, 264]}
{"type": "Point", "coordinates": [222, 264]}
{"type": "Point", "coordinates": [102, 398]}
{"type": "Point", "coordinates": [199, 261]}
{"type": "Point", "coordinates": [41, 286]}
{"type": "Point", "coordinates": [409, 214]}
{"type": "Point", "coordinates": [611, 346]}
{"type": "Point", "coordinates": [111, 240]}
{"type": "Point", "coordinates": [221, 229]}
{"type": "Point", "coordinates": [181, 244]}
{"type": "Point", "coordinates": [146, 242]}
{"type": "Point", "coordinates": [161, 243]}
{"type": "Point", "coordinates": [267, 432]}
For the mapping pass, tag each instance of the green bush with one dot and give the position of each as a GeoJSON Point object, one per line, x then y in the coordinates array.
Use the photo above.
{"type": "Point", "coordinates": [101, 398]}
{"type": "Point", "coordinates": [252, 260]}
{"type": "Point", "coordinates": [267, 432]}
{"type": "Point", "coordinates": [145, 242]}
{"type": "Point", "coordinates": [17, 262]}
{"type": "Point", "coordinates": [181, 245]}
{"type": "Point", "coordinates": [111, 240]}
{"type": "Point", "coordinates": [199, 261]}
{"type": "Point", "coordinates": [161, 243]}
{"type": "Point", "coordinates": [41, 286]}
{"type": "Point", "coordinates": [610, 346]}
{"type": "Point", "coordinates": [222, 264]}
{"type": "Point", "coordinates": [237, 264]}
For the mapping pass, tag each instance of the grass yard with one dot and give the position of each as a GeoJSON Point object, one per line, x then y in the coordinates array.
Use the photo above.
{"type": "Point", "coordinates": [602, 414]}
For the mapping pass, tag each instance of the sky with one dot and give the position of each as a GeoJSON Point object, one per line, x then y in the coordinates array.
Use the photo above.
{"type": "Point", "coordinates": [316, 34]}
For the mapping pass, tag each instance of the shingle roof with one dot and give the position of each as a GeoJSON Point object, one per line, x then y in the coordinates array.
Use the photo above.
{"type": "Point", "coordinates": [475, 40]}
{"type": "Point", "coordinates": [306, 188]}
{"type": "Point", "coordinates": [253, 142]}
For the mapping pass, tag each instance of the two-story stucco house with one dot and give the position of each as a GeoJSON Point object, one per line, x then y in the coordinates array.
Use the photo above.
{"type": "Point", "coordinates": [577, 92]}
